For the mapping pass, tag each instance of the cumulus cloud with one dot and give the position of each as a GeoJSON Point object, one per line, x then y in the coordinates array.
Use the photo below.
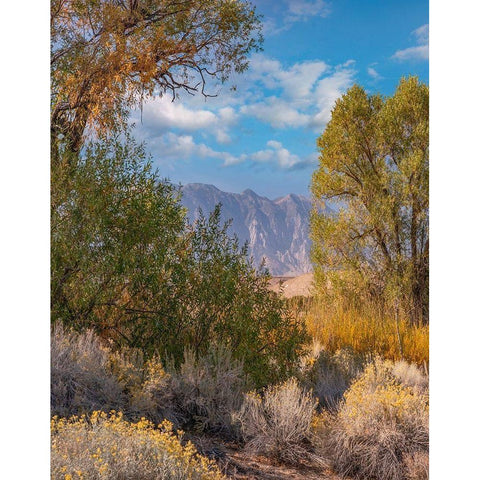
{"type": "Point", "coordinates": [418, 52]}
{"type": "Point", "coordinates": [276, 112]}
{"type": "Point", "coordinates": [171, 146]}
{"type": "Point", "coordinates": [278, 155]}
{"type": "Point", "coordinates": [305, 92]}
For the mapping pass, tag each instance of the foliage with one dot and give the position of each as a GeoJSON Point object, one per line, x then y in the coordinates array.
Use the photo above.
{"type": "Point", "coordinates": [229, 302]}
{"type": "Point", "coordinates": [279, 423]}
{"type": "Point", "coordinates": [380, 425]}
{"type": "Point", "coordinates": [368, 332]}
{"type": "Point", "coordinates": [126, 264]}
{"type": "Point", "coordinates": [201, 394]}
{"type": "Point", "coordinates": [207, 390]}
{"type": "Point", "coordinates": [373, 243]}
{"type": "Point", "coordinates": [115, 241]}
{"type": "Point", "coordinates": [105, 446]}
{"type": "Point", "coordinates": [110, 55]}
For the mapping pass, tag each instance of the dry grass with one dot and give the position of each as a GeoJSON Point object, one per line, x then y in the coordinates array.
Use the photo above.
{"type": "Point", "coordinates": [380, 430]}
{"type": "Point", "coordinates": [279, 424]}
{"type": "Point", "coordinates": [368, 333]}
{"type": "Point", "coordinates": [107, 447]}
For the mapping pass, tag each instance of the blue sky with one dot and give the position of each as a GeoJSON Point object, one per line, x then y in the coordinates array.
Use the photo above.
{"type": "Point", "coordinates": [263, 135]}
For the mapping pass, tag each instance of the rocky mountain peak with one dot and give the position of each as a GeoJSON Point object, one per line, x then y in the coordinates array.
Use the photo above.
{"type": "Point", "coordinates": [277, 230]}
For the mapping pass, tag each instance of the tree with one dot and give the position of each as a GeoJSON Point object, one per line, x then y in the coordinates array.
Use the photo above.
{"type": "Point", "coordinates": [229, 301]}
{"type": "Point", "coordinates": [126, 263]}
{"type": "Point", "coordinates": [116, 235]}
{"type": "Point", "coordinates": [110, 55]}
{"type": "Point", "coordinates": [373, 169]}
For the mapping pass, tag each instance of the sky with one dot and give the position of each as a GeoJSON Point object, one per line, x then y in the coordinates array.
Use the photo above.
{"type": "Point", "coordinates": [262, 135]}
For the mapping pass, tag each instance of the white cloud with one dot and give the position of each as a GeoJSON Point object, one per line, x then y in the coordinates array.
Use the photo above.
{"type": "Point", "coordinates": [304, 9]}
{"type": "Point", "coordinates": [328, 90]}
{"type": "Point", "coordinates": [306, 91]}
{"type": "Point", "coordinates": [419, 52]}
{"type": "Point", "coordinates": [373, 73]}
{"type": "Point", "coordinates": [412, 53]}
{"type": "Point", "coordinates": [163, 114]}
{"type": "Point", "coordinates": [171, 146]}
{"type": "Point", "coordinates": [278, 155]}
{"type": "Point", "coordinates": [421, 33]}
{"type": "Point", "coordinates": [282, 14]}
{"type": "Point", "coordinates": [276, 112]}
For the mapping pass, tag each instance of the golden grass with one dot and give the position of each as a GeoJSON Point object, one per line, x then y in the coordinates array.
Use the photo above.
{"type": "Point", "coordinates": [337, 328]}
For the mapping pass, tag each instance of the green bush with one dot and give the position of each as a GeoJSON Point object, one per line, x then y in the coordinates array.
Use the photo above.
{"type": "Point", "coordinates": [126, 264]}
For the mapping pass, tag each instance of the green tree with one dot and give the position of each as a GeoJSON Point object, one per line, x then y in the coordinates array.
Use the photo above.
{"type": "Point", "coordinates": [229, 302]}
{"type": "Point", "coordinates": [373, 171]}
{"type": "Point", "coordinates": [125, 262]}
{"type": "Point", "coordinates": [116, 235]}
{"type": "Point", "coordinates": [110, 55]}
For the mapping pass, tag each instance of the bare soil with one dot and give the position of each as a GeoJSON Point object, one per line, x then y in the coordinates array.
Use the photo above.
{"type": "Point", "coordinates": [293, 286]}
{"type": "Point", "coordinates": [238, 464]}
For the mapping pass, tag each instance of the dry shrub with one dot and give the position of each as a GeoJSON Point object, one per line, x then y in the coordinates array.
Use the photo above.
{"type": "Point", "coordinates": [328, 374]}
{"type": "Point", "coordinates": [368, 332]}
{"type": "Point", "coordinates": [154, 399]}
{"type": "Point", "coordinates": [379, 424]}
{"type": "Point", "coordinates": [207, 390]}
{"type": "Point", "coordinates": [106, 447]}
{"type": "Point", "coordinates": [81, 377]}
{"type": "Point", "coordinates": [409, 374]}
{"type": "Point", "coordinates": [200, 395]}
{"type": "Point", "coordinates": [417, 466]}
{"type": "Point", "coordinates": [279, 424]}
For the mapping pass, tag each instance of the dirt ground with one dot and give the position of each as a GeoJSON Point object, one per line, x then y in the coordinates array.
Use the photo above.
{"type": "Point", "coordinates": [238, 464]}
{"type": "Point", "coordinates": [293, 286]}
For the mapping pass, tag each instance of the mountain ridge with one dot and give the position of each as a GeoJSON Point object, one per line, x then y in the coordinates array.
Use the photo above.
{"type": "Point", "coordinates": [277, 230]}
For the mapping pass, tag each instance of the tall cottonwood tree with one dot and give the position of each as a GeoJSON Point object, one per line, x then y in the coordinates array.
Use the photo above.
{"type": "Point", "coordinates": [373, 168]}
{"type": "Point", "coordinates": [110, 55]}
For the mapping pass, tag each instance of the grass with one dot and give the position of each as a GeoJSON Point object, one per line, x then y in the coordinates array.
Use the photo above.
{"type": "Point", "coordinates": [368, 333]}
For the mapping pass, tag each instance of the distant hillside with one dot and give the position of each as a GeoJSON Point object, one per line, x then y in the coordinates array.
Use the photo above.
{"type": "Point", "coordinates": [277, 230]}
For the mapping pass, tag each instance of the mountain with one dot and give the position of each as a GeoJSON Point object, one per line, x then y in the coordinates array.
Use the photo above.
{"type": "Point", "coordinates": [277, 230]}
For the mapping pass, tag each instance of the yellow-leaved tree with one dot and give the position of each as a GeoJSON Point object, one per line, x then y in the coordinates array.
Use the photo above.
{"type": "Point", "coordinates": [372, 246]}
{"type": "Point", "coordinates": [110, 55]}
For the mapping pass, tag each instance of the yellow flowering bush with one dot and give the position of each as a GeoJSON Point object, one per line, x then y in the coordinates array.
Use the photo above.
{"type": "Point", "coordinates": [379, 425]}
{"type": "Point", "coordinates": [105, 446]}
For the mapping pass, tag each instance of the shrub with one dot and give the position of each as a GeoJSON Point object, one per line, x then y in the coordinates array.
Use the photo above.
{"type": "Point", "coordinates": [409, 374]}
{"type": "Point", "coordinates": [155, 397]}
{"type": "Point", "coordinates": [279, 424]}
{"type": "Point", "coordinates": [104, 446]}
{"type": "Point", "coordinates": [209, 389]}
{"type": "Point", "coordinates": [81, 380]}
{"type": "Point", "coordinates": [126, 263]}
{"type": "Point", "coordinates": [417, 466]}
{"type": "Point", "coordinates": [379, 428]}
{"type": "Point", "coordinates": [201, 394]}
{"type": "Point", "coordinates": [328, 374]}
